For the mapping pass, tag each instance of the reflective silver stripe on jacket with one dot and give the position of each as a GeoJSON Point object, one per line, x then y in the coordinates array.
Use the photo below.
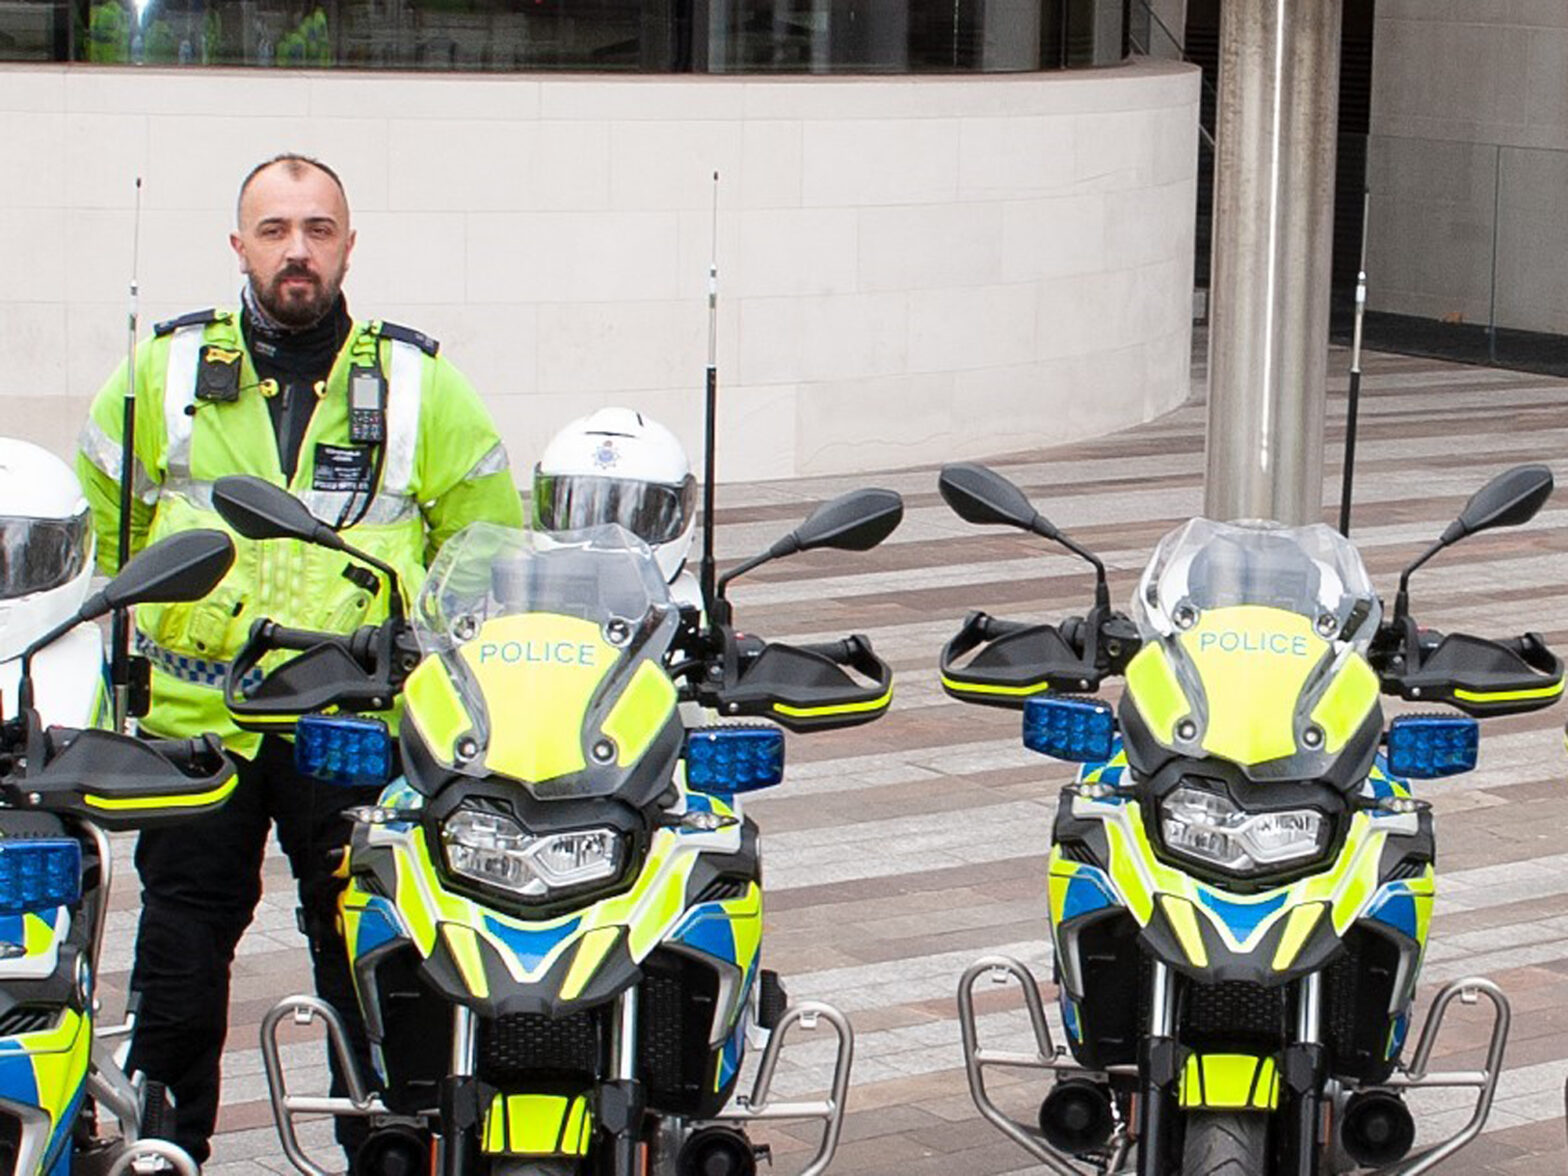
{"type": "Point", "coordinates": [491, 463]}
{"type": "Point", "coordinates": [384, 507]}
{"type": "Point", "coordinates": [324, 504]}
{"type": "Point", "coordinates": [179, 394]}
{"type": "Point", "coordinates": [405, 389]}
{"type": "Point", "coordinates": [104, 452]}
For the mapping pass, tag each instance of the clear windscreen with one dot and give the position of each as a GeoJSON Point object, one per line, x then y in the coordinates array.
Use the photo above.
{"type": "Point", "coordinates": [1263, 632]}
{"type": "Point", "coordinates": [1311, 571]}
{"type": "Point", "coordinates": [485, 572]}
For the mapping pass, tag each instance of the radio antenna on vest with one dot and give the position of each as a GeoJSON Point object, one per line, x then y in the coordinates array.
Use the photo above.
{"type": "Point", "coordinates": [709, 417]}
{"type": "Point", "coordinates": [120, 635]}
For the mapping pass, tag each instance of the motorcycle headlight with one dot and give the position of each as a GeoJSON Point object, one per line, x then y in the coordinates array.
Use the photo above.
{"type": "Point", "coordinates": [1210, 827]}
{"type": "Point", "coordinates": [494, 849]}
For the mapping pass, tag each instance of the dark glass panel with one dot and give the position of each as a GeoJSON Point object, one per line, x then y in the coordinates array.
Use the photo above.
{"type": "Point", "coordinates": [648, 36]}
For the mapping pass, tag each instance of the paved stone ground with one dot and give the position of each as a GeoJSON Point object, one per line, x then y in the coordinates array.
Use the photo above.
{"type": "Point", "coordinates": [899, 852]}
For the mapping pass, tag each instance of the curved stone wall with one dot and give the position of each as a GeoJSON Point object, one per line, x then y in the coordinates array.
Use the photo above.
{"type": "Point", "coordinates": [910, 269]}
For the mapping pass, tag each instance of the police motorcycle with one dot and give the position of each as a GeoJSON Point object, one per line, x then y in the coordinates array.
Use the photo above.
{"type": "Point", "coordinates": [63, 789]}
{"type": "Point", "coordinates": [554, 914]}
{"type": "Point", "coordinates": [1240, 877]}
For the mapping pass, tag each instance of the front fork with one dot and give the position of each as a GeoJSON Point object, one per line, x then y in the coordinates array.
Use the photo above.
{"type": "Point", "coordinates": [460, 1110]}
{"type": "Point", "coordinates": [1159, 1071]}
{"type": "Point", "coordinates": [619, 1108]}
{"type": "Point", "coordinates": [621, 1101]}
{"type": "Point", "coordinates": [1159, 1076]}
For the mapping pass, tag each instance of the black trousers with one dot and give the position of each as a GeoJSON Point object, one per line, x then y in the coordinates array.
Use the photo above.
{"type": "Point", "coordinates": [201, 881]}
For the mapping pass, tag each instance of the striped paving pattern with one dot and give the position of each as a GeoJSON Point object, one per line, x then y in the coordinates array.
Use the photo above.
{"type": "Point", "coordinates": [898, 852]}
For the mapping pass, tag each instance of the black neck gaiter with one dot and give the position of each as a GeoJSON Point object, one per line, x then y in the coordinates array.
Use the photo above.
{"type": "Point", "coordinates": [298, 361]}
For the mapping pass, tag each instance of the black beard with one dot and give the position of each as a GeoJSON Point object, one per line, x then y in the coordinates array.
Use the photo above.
{"type": "Point", "coordinates": [295, 316]}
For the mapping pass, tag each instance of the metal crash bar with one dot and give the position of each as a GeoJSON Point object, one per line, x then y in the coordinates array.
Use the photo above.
{"type": "Point", "coordinates": [1050, 1057]}
{"type": "Point", "coordinates": [1047, 1056]}
{"type": "Point", "coordinates": [757, 1107]}
{"type": "Point", "coordinates": [359, 1103]}
{"type": "Point", "coordinates": [1415, 1076]}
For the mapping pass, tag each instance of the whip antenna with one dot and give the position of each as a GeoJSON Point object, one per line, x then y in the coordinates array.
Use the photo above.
{"type": "Point", "coordinates": [120, 635]}
{"type": "Point", "coordinates": [1353, 403]}
{"type": "Point", "coordinates": [709, 601]}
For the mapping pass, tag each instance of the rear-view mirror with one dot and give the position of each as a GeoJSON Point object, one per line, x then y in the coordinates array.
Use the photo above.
{"type": "Point", "coordinates": [1511, 498]}
{"type": "Point", "coordinates": [178, 569]}
{"type": "Point", "coordinates": [259, 510]}
{"type": "Point", "coordinates": [978, 494]}
{"type": "Point", "coordinates": [856, 521]}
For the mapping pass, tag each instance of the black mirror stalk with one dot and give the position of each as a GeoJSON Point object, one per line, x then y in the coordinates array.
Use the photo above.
{"type": "Point", "coordinates": [1102, 590]}
{"type": "Point", "coordinates": [1402, 598]}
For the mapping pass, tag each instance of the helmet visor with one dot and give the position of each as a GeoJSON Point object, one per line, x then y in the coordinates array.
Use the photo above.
{"type": "Point", "coordinates": [653, 511]}
{"type": "Point", "coordinates": [39, 554]}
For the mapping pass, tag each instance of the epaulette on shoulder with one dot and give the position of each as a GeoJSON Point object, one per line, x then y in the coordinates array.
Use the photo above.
{"type": "Point", "coordinates": [196, 318]}
{"type": "Point", "coordinates": [408, 335]}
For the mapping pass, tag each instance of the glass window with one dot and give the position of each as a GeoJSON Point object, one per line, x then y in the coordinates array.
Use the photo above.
{"type": "Point", "coordinates": [650, 36]}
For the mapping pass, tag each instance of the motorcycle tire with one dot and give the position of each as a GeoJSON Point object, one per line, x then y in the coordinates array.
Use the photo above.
{"type": "Point", "coordinates": [1225, 1144]}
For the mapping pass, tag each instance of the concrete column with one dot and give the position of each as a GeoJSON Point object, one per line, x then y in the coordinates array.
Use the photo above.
{"type": "Point", "coordinates": [1273, 228]}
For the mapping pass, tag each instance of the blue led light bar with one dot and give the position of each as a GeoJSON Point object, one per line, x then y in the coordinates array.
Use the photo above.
{"type": "Point", "coordinates": [1082, 730]}
{"type": "Point", "coordinates": [1424, 747]}
{"type": "Point", "coordinates": [343, 749]}
{"type": "Point", "coordinates": [39, 875]}
{"type": "Point", "coordinates": [727, 760]}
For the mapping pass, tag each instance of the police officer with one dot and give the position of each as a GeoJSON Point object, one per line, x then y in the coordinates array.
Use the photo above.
{"type": "Point", "coordinates": [368, 424]}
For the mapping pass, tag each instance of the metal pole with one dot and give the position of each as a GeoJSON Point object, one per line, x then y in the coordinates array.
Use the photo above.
{"type": "Point", "coordinates": [1273, 227]}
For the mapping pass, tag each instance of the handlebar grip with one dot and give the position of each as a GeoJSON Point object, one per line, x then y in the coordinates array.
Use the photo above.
{"type": "Point", "coordinates": [189, 755]}
{"type": "Point", "coordinates": [280, 637]}
{"type": "Point", "coordinates": [993, 627]}
{"type": "Point", "coordinates": [837, 652]}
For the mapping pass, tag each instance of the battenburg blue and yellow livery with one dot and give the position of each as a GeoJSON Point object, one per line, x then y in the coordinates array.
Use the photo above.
{"type": "Point", "coordinates": [1241, 877]}
{"type": "Point", "coordinates": [554, 915]}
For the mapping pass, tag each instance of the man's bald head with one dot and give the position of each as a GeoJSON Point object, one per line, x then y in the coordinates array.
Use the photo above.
{"type": "Point", "coordinates": [293, 239]}
{"type": "Point", "coordinates": [293, 165]}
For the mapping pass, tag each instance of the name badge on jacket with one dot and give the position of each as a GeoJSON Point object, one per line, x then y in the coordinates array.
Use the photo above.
{"type": "Point", "coordinates": [343, 468]}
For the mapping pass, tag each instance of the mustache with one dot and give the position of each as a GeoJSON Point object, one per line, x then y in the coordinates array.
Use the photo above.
{"type": "Point", "coordinates": [295, 271]}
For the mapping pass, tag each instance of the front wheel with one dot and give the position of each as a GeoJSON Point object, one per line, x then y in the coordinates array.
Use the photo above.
{"type": "Point", "coordinates": [1225, 1144]}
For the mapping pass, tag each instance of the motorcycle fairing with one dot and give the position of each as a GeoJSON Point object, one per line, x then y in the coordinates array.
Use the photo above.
{"type": "Point", "coordinates": [39, 935]}
{"type": "Point", "coordinates": [550, 669]}
{"type": "Point", "coordinates": [728, 934]}
{"type": "Point", "coordinates": [1270, 937]}
{"type": "Point", "coordinates": [1255, 685]}
{"type": "Point", "coordinates": [498, 962]}
{"type": "Point", "coordinates": [46, 1071]}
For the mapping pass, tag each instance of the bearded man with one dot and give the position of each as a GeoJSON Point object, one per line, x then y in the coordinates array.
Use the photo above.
{"type": "Point", "coordinates": [372, 429]}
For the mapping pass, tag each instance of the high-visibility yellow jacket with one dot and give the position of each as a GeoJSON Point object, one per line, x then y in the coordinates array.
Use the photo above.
{"type": "Point", "coordinates": [442, 466]}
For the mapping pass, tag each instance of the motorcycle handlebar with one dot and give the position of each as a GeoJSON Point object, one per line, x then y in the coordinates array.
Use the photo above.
{"type": "Point", "coordinates": [838, 652]}
{"type": "Point", "coordinates": [300, 640]}
{"type": "Point", "coordinates": [189, 755]}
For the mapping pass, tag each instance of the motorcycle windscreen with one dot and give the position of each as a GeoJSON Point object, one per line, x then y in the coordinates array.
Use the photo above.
{"type": "Point", "coordinates": [1255, 638]}
{"type": "Point", "coordinates": [545, 658]}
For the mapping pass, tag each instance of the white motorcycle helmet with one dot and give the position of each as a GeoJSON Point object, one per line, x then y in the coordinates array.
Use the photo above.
{"type": "Point", "coordinates": [46, 544]}
{"type": "Point", "coordinates": [619, 466]}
